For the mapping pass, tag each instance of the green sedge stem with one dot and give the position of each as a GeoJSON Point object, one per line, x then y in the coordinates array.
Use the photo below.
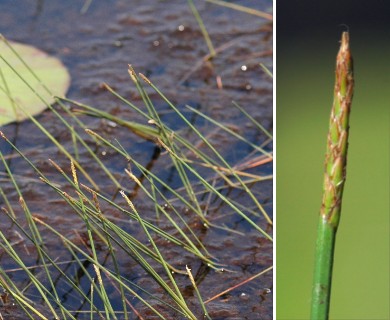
{"type": "Point", "coordinates": [334, 180]}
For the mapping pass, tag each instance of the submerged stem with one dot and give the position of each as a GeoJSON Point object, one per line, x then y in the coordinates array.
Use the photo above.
{"type": "Point", "coordinates": [334, 179]}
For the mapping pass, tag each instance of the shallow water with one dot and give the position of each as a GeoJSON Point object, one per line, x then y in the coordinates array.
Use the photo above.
{"type": "Point", "coordinates": [162, 40]}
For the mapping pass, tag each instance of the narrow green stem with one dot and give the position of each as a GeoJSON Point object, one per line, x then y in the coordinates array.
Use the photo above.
{"type": "Point", "coordinates": [334, 180]}
{"type": "Point", "coordinates": [326, 236]}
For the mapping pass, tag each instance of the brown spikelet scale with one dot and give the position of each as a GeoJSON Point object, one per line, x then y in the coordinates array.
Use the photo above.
{"type": "Point", "coordinates": [337, 143]}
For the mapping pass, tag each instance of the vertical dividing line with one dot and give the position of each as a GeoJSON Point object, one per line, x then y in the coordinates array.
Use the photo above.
{"type": "Point", "coordinates": [334, 179]}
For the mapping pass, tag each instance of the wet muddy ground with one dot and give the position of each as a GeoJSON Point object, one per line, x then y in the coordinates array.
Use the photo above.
{"type": "Point", "coordinates": [162, 40]}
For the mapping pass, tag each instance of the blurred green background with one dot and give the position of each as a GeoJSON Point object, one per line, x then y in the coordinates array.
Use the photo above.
{"type": "Point", "coordinates": [305, 78]}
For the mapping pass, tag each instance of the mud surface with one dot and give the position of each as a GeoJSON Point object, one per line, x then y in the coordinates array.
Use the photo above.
{"type": "Point", "coordinates": [162, 40]}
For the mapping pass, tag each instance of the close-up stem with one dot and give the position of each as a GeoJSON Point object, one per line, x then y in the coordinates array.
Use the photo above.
{"type": "Point", "coordinates": [334, 180]}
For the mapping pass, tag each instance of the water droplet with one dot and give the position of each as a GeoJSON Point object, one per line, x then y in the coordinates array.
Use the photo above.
{"type": "Point", "coordinates": [180, 28]}
{"type": "Point", "coordinates": [118, 44]}
{"type": "Point", "coordinates": [244, 68]}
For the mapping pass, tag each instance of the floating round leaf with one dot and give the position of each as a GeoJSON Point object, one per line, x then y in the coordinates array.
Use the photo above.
{"type": "Point", "coordinates": [29, 78]}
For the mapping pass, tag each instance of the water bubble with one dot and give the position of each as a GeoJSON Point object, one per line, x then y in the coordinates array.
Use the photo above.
{"type": "Point", "coordinates": [118, 44]}
{"type": "Point", "coordinates": [180, 28]}
{"type": "Point", "coordinates": [156, 43]}
{"type": "Point", "coordinates": [244, 68]}
{"type": "Point", "coordinates": [165, 206]}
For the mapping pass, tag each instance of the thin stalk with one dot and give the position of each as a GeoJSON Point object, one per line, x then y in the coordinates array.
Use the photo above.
{"type": "Point", "coordinates": [178, 296]}
{"type": "Point", "coordinates": [334, 179]}
{"type": "Point", "coordinates": [230, 131]}
{"type": "Point", "coordinates": [243, 9]}
{"type": "Point", "coordinates": [64, 108]}
{"type": "Point", "coordinates": [74, 250]}
{"type": "Point", "coordinates": [112, 253]}
{"type": "Point", "coordinates": [202, 304]}
{"type": "Point", "coordinates": [253, 120]}
{"type": "Point", "coordinates": [206, 35]}
{"type": "Point", "coordinates": [204, 182]}
{"type": "Point", "coordinates": [266, 70]}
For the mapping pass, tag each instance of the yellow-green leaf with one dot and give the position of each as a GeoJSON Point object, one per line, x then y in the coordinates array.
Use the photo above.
{"type": "Point", "coordinates": [22, 94]}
